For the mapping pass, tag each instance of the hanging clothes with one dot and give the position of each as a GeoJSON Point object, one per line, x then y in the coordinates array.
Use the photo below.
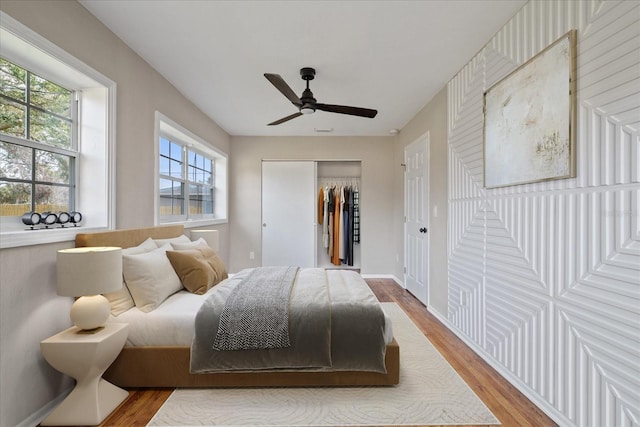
{"type": "Point", "coordinates": [331, 206]}
{"type": "Point", "coordinates": [345, 231]}
{"type": "Point", "coordinates": [350, 228]}
{"type": "Point", "coordinates": [335, 259]}
{"type": "Point", "coordinates": [320, 205]}
{"type": "Point", "coordinates": [325, 218]}
{"type": "Point", "coordinates": [341, 230]}
{"type": "Point", "coordinates": [356, 216]}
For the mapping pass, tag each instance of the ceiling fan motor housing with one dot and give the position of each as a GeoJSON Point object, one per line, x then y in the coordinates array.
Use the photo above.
{"type": "Point", "coordinates": [308, 101]}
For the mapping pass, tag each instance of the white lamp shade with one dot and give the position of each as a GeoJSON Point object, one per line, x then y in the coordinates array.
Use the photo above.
{"type": "Point", "coordinates": [209, 236]}
{"type": "Point", "coordinates": [89, 271]}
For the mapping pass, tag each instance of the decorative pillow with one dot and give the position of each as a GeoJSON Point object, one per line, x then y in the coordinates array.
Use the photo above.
{"type": "Point", "coordinates": [121, 299]}
{"type": "Point", "coordinates": [150, 278]}
{"type": "Point", "coordinates": [179, 239]}
{"type": "Point", "coordinates": [199, 269]}
{"type": "Point", "coordinates": [196, 244]}
{"type": "Point", "coordinates": [195, 273]}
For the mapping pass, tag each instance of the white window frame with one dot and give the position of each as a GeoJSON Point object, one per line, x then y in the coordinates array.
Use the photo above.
{"type": "Point", "coordinates": [95, 165]}
{"type": "Point", "coordinates": [72, 152]}
{"type": "Point", "coordinates": [169, 129]}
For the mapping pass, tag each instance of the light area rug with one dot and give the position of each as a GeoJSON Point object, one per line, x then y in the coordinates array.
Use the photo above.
{"type": "Point", "coordinates": [430, 393]}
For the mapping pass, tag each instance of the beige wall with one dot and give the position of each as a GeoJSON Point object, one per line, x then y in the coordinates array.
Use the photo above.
{"type": "Point", "coordinates": [376, 192]}
{"type": "Point", "coordinates": [30, 310]}
{"type": "Point", "coordinates": [433, 119]}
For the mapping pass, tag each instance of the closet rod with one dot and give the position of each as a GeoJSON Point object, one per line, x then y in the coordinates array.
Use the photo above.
{"type": "Point", "coordinates": [339, 178]}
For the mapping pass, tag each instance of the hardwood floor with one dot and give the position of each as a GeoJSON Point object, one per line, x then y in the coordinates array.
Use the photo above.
{"type": "Point", "coordinates": [510, 406]}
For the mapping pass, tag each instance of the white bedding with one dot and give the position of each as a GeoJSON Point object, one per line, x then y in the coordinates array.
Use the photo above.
{"type": "Point", "coordinates": [172, 323]}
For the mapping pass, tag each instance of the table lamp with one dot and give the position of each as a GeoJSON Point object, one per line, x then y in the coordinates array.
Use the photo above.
{"type": "Point", "coordinates": [209, 236]}
{"type": "Point", "coordinates": [87, 273]}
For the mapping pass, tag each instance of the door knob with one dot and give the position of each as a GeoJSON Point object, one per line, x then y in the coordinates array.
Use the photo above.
{"type": "Point", "coordinates": [264, 224]}
{"type": "Point", "coordinates": [423, 230]}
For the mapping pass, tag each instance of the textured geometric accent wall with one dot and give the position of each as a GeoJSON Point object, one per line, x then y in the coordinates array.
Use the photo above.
{"type": "Point", "coordinates": [544, 278]}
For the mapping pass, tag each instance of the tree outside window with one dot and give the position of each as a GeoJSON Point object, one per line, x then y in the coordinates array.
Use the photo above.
{"type": "Point", "coordinates": [37, 143]}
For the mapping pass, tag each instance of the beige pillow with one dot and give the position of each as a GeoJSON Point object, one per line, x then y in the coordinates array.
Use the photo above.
{"type": "Point", "coordinates": [179, 239]}
{"type": "Point", "coordinates": [196, 244]}
{"type": "Point", "coordinates": [121, 299]}
{"type": "Point", "coordinates": [150, 278]}
{"type": "Point", "coordinates": [199, 269]}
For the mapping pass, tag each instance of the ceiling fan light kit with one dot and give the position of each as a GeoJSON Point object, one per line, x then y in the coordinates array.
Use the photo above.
{"type": "Point", "coordinates": [307, 104]}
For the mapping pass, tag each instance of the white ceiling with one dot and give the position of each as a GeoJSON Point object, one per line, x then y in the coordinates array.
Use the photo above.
{"type": "Point", "coordinates": [393, 56]}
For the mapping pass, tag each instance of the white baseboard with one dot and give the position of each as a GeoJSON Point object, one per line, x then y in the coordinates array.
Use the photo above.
{"type": "Point", "coordinates": [545, 406]}
{"type": "Point", "coordinates": [37, 417]}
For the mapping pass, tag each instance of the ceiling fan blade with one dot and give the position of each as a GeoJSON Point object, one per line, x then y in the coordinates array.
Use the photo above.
{"type": "Point", "coordinates": [285, 119]}
{"type": "Point", "coordinates": [343, 109]}
{"type": "Point", "coordinates": [283, 87]}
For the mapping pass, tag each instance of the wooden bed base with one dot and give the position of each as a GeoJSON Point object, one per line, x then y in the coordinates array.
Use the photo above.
{"type": "Point", "coordinates": [169, 366]}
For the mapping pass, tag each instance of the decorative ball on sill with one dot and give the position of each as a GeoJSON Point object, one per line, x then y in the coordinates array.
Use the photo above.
{"type": "Point", "coordinates": [31, 218]}
{"type": "Point", "coordinates": [63, 218]}
{"type": "Point", "coordinates": [48, 218]}
{"type": "Point", "coordinates": [75, 217]}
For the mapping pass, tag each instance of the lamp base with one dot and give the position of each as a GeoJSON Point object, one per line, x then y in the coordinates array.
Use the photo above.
{"type": "Point", "coordinates": [90, 312]}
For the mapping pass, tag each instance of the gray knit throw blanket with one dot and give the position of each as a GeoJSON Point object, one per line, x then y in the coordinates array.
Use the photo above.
{"type": "Point", "coordinates": [256, 314]}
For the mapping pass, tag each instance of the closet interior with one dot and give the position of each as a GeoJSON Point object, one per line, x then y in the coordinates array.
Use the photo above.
{"type": "Point", "coordinates": [338, 233]}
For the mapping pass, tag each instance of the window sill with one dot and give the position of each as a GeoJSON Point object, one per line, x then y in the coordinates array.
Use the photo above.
{"type": "Point", "coordinates": [196, 223]}
{"type": "Point", "coordinates": [14, 239]}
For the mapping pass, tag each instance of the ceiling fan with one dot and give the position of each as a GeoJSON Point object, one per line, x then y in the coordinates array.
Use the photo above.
{"type": "Point", "coordinates": [307, 103]}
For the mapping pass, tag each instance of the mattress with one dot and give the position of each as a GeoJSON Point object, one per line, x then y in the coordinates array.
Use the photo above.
{"type": "Point", "coordinates": [172, 323]}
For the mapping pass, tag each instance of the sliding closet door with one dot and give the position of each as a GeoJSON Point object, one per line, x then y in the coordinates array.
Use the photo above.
{"type": "Point", "coordinates": [288, 213]}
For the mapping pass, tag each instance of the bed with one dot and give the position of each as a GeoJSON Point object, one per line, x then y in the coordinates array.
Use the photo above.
{"type": "Point", "coordinates": [156, 365]}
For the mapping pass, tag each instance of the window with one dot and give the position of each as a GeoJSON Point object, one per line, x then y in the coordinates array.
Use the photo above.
{"type": "Point", "coordinates": [37, 143]}
{"type": "Point", "coordinates": [57, 141]}
{"type": "Point", "coordinates": [191, 177]}
{"type": "Point", "coordinates": [186, 181]}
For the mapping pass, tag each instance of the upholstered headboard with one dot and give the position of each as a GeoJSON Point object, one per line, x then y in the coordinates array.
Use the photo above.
{"type": "Point", "coordinates": [128, 237]}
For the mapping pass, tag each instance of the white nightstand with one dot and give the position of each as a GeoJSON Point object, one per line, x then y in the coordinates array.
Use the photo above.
{"type": "Point", "coordinates": [85, 357]}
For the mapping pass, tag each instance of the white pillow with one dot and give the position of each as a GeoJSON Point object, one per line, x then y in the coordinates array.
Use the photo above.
{"type": "Point", "coordinates": [196, 244]}
{"type": "Point", "coordinates": [150, 278]}
{"type": "Point", "coordinates": [179, 239]}
{"type": "Point", "coordinates": [121, 299]}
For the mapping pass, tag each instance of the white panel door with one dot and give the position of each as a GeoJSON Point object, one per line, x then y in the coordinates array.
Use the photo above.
{"type": "Point", "coordinates": [288, 213]}
{"type": "Point", "coordinates": [416, 184]}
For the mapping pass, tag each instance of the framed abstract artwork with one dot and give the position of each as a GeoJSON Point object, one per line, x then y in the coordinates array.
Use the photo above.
{"type": "Point", "coordinates": [529, 119]}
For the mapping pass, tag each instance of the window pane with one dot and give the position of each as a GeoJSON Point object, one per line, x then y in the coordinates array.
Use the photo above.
{"type": "Point", "coordinates": [51, 167]}
{"type": "Point", "coordinates": [207, 200]}
{"type": "Point", "coordinates": [175, 151]}
{"type": "Point", "coordinates": [171, 197]}
{"type": "Point", "coordinates": [49, 198]}
{"type": "Point", "coordinates": [164, 166]}
{"type": "Point", "coordinates": [175, 169]}
{"type": "Point", "coordinates": [192, 175]}
{"type": "Point", "coordinates": [49, 129]}
{"type": "Point", "coordinates": [164, 147]}
{"type": "Point", "coordinates": [15, 161]}
{"type": "Point", "coordinates": [12, 118]}
{"type": "Point", "coordinates": [166, 186]}
{"type": "Point", "coordinates": [200, 200]}
{"type": "Point", "coordinates": [199, 168]}
{"type": "Point", "coordinates": [13, 81]}
{"type": "Point", "coordinates": [49, 96]}
{"type": "Point", "coordinates": [206, 178]}
{"type": "Point", "coordinates": [15, 198]}
{"type": "Point", "coordinates": [195, 201]}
